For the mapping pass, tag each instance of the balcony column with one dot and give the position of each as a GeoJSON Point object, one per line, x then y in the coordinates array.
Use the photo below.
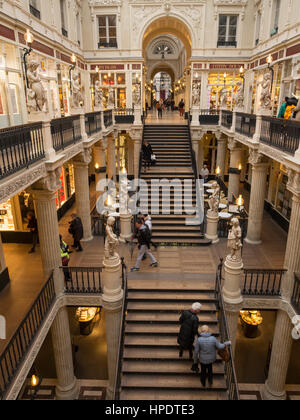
{"type": "Point", "coordinates": [198, 147]}
{"type": "Point", "coordinates": [274, 388]}
{"type": "Point", "coordinates": [257, 197]}
{"type": "Point", "coordinates": [112, 303]}
{"type": "Point", "coordinates": [48, 142]}
{"type": "Point", "coordinates": [234, 172]}
{"type": "Point", "coordinates": [233, 121]}
{"type": "Point", "coordinates": [44, 195]}
{"type": "Point", "coordinates": [221, 153]}
{"type": "Point", "coordinates": [136, 135]}
{"type": "Point", "coordinates": [292, 253]}
{"type": "Point", "coordinates": [84, 136]}
{"type": "Point", "coordinates": [111, 158]}
{"type": "Point", "coordinates": [100, 164]}
{"type": "Point", "coordinates": [67, 387]}
{"type": "Point", "coordinates": [81, 176]}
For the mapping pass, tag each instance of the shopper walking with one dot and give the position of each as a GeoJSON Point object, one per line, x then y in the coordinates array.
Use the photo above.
{"type": "Point", "coordinates": [181, 108]}
{"type": "Point", "coordinates": [206, 348]}
{"type": "Point", "coordinates": [189, 329]}
{"type": "Point", "coordinates": [65, 258]}
{"type": "Point", "coordinates": [148, 223]}
{"type": "Point", "coordinates": [76, 230]}
{"type": "Point", "coordinates": [147, 154]}
{"type": "Point", "coordinates": [143, 236]}
{"type": "Point", "coordinates": [33, 227]}
{"type": "Point", "coordinates": [204, 173]}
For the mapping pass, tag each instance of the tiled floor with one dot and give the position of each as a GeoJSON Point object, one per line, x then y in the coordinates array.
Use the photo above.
{"type": "Point", "coordinates": [169, 117]}
{"type": "Point", "coordinates": [254, 392]}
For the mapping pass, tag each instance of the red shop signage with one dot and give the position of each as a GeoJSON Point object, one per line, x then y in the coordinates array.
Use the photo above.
{"type": "Point", "coordinates": [108, 67]}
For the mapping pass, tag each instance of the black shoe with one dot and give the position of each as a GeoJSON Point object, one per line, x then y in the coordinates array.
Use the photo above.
{"type": "Point", "coordinates": [31, 251]}
{"type": "Point", "coordinates": [203, 383]}
{"type": "Point", "coordinates": [79, 250]}
{"type": "Point", "coordinates": [180, 353]}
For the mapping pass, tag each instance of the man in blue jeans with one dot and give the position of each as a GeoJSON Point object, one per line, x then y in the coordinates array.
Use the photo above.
{"type": "Point", "coordinates": [143, 236]}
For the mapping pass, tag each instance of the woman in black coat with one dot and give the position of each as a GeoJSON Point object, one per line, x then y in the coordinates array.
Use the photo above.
{"type": "Point", "coordinates": [189, 329]}
{"type": "Point", "coordinates": [76, 230]}
{"type": "Point", "coordinates": [147, 153]}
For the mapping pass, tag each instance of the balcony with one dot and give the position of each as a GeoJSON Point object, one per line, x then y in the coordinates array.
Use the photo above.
{"type": "Point", "coordinates": [227, 44]}
{"type": "Point", "coordinates": [245, 124]}
{"type": "Point", "coordinates": [107, 45]}
{"type": "Point", "coordinates": [209, 117]}
{"type": "Point", "coordinates": [281, 134]}
{"type": "Point", "coordinates": [65, 131]}
{"type": "Point", "coordinates": [124, 116]}
{"type": "Point", "coordinates": [92, 123]}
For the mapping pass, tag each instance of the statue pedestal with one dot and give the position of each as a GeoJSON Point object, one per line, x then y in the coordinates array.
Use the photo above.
{"type": "Point", "coordinates": [233, 279]}
{"type": "Point", "coordinates": [212, 226]}
{"type": "Point", "coordinates": [125, 221]}
{"type": "Point", "coordinates": [239, 109]}
{"type": "Point", "coordinates": [76, 111]}
{"type": "Point", "coordinates": [98, 108]}
{"type": "Point", "coordinates": [267, 112]}
{"type": "Point", "coordinates": [37, 116]}
{"type": "Point", "coordinates": [195, 117]}
{"type": "Point", "coordinates": [137, 116]}
{"type": "Point", "coordinates": [111, 279]}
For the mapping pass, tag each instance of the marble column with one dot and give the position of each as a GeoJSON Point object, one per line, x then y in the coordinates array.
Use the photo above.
{"type": "Point", "coordinates": [67, 385]}
{"type": "Point", "coordinates": [81, 176]}
{"type": "Point", "coordinates": [112, 300]}
{"type": "Point", "coordinates": [111, 158]}
{"type": "Point", "coordinates": [234, 172]}
{"type": "Point", "coordinates": [100, 164]}
{"type": "Point", "coordinates": [44, 195]}
{"type": "Point", "coordinates": [137, 153]}
{"type": "Point", "coordinates": [221, 153]}
{"type": "Point", "coordinates": [274, 388]}
{"type": "Point", "coordinates": [257, 198]}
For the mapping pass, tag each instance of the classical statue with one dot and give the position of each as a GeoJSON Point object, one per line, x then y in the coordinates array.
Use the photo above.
{"type": "Point", "coordinates": [136, 97]}
{"type": "Point", "coordinates": [36, 94]}
{"type": "Point", "coordinates": [224, 98]}
{"type": "Point", "coordinates": [234, 240]}
{"type": "Point", "coordinates": [111, 98]}
{"type": "Point", "coordinates": [214, 199]}
{"type": "Point", "coordinates": [196, 95]}
{"type": "Point", "coordinates": [239, 96]}
{"type": "Point", "coordinates": [265, 98]}
{"type": "Point", "coordinates": [111, 240]}
{"type": "Point", "coordinates": [77, 98]}
{"type": "Point", "coordinates": [98, 95]}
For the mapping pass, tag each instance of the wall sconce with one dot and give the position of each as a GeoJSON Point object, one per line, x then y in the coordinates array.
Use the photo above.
{"type": "Point", "coordinates": [29, 41]}
{"type": "Point", "coordinates": [72, 67]}
{"type": "Point", "coordinates": [218, 171]}
{"type": "Point", "coordinates": [240, 167]}
{"type": "Point", "coordinates": [225, 76]}
{"type": "Point", "coordinates": [35, 383]}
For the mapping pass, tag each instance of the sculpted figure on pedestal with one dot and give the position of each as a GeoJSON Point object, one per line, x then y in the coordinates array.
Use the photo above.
{"type": "Point", "coordinates": [77, 98]}
{"type": "Point", "coordinates": [239, 97]}
{"type": "Point", "coordinates": [111, 241]}
{"type": "Point", "coordinates": [98, 95]}
{"type": "Point", "coordinates": [36, 94]}
{"type": "Point", "coordinates": [224, 98]}
{"type": "Point", "coordinates": [265, 98]}
{"type": "Point", "coordinates": [136, 95]}
{"type": "Point", "coordinates": [196, 95]}
{"type": "Point", "coordinates": [214, 199]}
{"type": "Point", "coordinates": [111, 98]}
{"type": "Point", "coordinates": [234, 240]}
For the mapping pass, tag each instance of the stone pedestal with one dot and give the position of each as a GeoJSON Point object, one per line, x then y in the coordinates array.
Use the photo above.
{"type": "Point", "coordinates": [195, 117]}
{"type": "Point", "coordinates": [67, 386]}
{"type": "Point", "coordinates": [257, 201]}
{"type": "Point", "coordinates": [234, 173]}
{"type": "Point", "coordinates": [82, 191]}
{"type": "Point", "coordinates": [112, 299]}
{"type": "Point", "coordinates": [100, 165]}
{"type": "Point", "coordinates": [137, 116]}
{"type": "Point", "coordinates": [212, 226]}
{"type": "Point", "coordinates": [125, 221]}
{"type": "Point", "coordinates": [111, 158]}
{"type": "Point", "coordinates": [232, 295]}
{"type": "Point", "coordinates": [221, 154]}
{"type": "Point", "coordinates": [274, 388]}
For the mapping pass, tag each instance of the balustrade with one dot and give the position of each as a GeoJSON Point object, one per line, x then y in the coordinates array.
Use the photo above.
{"type": "Point", "coordinates": [209, 117]}
{"type": "Point", "coordinates": [108, 118]}
{"type": "Point", "coordinates": [65, 131]}
{"type": "Point", "coordinates": [245, 124]}
{"type": "Point", "coordinates": [226, 120]}
{"type": "Point", "coordinates": [93, 123]}
{"type": "Point", "coordinates": [281, 134]}
{"type": "Point", "coordinates": [262, 282]}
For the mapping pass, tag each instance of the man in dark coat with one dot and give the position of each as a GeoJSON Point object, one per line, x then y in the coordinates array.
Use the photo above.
{"type": "Point", "coordinates": [189, 329]}
{"type": "Point", "coordinates": [33, 227]}
{"type": "Point", "coordinates": [76, 230]}
{"type": "Point", "coordinates": [147, 153]}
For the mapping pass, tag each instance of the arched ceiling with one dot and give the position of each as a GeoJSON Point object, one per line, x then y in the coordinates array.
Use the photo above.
{"type": "Point", "coordinates": [168, 25]}
{"type": "Point", "coordinates": [165, 69]}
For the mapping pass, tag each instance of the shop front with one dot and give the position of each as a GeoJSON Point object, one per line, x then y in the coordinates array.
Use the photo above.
{"type": "Point", "coordinates": [14, 212]}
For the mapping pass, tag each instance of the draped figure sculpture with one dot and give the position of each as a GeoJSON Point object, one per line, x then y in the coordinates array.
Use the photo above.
{"type": "Point", "coordinates": [77, 97]}
{"type": "Point", "coordinates": [234, 240]}
{"type": "Point", "coordinates": [239, 96]}
{"type": "Point", "coordinates": [214, 199]}
{"type": "Point", "coordinates": [265, 98]}
{"type": "Point", "coordinates": [98, 95]}
{"type": "Point", "coordinates": [36, 94]}
{"type": "Point", "coordinates": [111, 240]}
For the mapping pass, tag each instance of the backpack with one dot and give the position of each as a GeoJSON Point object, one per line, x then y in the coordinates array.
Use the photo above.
{"type": "Point", "coordinates": [288, 112]}
{"type": "Point", "coordinates": [148, 235]}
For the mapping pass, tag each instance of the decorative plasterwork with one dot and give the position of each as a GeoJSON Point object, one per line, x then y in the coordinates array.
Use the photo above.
{"type": "Point", "coordinates": [293, 184]}
{"type": "Point", "coordinates": [93, 4]}
{"type": "Point", "coordinates": [255, 157]}
{"type": "Point", "coordinates": [236, 3]}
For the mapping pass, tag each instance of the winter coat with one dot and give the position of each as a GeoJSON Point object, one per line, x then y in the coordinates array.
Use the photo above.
{"type": "Point", "coordinates": [189, 328]}
{"type": "Point", "coordinates": [76, 229]}
{"type": "Point", "coordinates": [206, 349]}
{"type": "Point", "coordinates": [282, 110]}
{"type": "Point", "coordinates": [143, 236]}
{"type": "Point", "coordinates": [147, 152]}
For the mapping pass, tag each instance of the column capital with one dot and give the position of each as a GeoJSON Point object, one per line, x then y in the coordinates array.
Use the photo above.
{"type": "Point", "coordinates": [293, 184]}
{"type": "Point", "coordinates": [47, 185]}
{"type": "Point", "coordinates": [220, 137]}
{"type": "Point", "coordinates": [232, 143]}
{"type": "Point", "coordinates": [197, 134]}
{"type": "Point", "coordinates": [83, 158]}
{"type": "Point", "coordinates": [256, 158]}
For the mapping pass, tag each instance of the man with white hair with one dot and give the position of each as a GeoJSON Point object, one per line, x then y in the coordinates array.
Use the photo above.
{"type": "Point", "coordinates": [189, 329]}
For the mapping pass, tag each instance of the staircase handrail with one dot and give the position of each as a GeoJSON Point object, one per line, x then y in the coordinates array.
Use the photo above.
{"type": "Point", "coordinates": [118, 374]}
{"type": "Point", "coordinates": [230, 373]}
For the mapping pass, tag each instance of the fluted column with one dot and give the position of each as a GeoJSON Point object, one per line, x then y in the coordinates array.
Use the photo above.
{"type": "Point", "coordinates": [67, 386]}
{"type": "Point", "coordinates": [257, 198]}
{"type": "Point", "coordinates": [44, 194]}
{"type": "Point", "coordinates": [112, 299]}
{"type": "Point", "coordinates": [100, 163]}
{"type": "Point", "coordinates": [81, 176]}
{"type": "Point", "coordinates": [221, 154]}
{"type": "Point", "coordinates": [111, 158]}
{"type": "Point", "coordinates": [274, 388]}
{"type": "Point", "coordinates": [136, 153]}
{"type": "Point", "coordinates": [234, 172]}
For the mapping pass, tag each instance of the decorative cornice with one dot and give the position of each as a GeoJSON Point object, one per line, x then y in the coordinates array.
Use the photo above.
{"type": "Point", "coordinates": [293, 184]}
{"type": "Point", "coordinates": [225, 3]}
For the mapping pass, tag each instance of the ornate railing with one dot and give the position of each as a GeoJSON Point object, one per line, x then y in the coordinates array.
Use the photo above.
{"type": "Point", "coordinates": [122, 334]}
{"type": "Point", "coordinates": [226, 120]}
{"type": "Point", "coordinates": [296, 294]}
{"type": "Point", "coordinates": [262, 282]}
{"type": "Point", "coordinates": [124, 116]}
{"type": "Point", "coordinates": [280, 133]}
{"type": "Point", "coordinates": [209, 117]}
{"type": "Point", "coordinates": [92, 123]}
{"type": "Point", "coordinates": [65, 131]}
{"type": "Point", "coordinates": [108, 118]}
{"type": "Point", "coordinates": [230, 374]}
{"type": "Point", "coordinates": [82, 280]}
{"type": "Point", "coordinates": [18, 347]}
{"type": "Point", "coordinates": [245, 124]}
{"type": "Point", "coordinates": [20, 147]}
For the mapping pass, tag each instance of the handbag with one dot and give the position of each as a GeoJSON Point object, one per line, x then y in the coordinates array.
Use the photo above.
{"type": "Point", "coordinates": [224, 354]}
{"type": "Point", "coordinates": [153, 157]}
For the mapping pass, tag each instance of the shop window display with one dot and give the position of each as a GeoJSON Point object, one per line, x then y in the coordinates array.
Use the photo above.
{"type": "Point", "coordinates": [6, 217]}
{"type": "Point", "coordinates": [216, 82]}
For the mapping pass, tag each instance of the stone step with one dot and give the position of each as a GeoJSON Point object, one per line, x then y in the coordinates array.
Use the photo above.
{"type": "Point", "coordinates": [171, 395]}
{"type": "Point", "coordinates": [182, 242]}
{"type": "Point", "coordinates": [158, 329]}
{"type": "Point", "coordinates": [154, 353]}
{"type": "Point", "coordinates": [165, 316]}
{"type": "Point", "coordinates": [178, 228]}
{"type": "Point", "coordinates": [173, 306]}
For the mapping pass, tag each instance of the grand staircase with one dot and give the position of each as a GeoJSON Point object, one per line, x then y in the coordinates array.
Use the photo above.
{"type": "Point", "coordinates": [171, 145]}
{"type": "Point", "coordinates": [152, 369]}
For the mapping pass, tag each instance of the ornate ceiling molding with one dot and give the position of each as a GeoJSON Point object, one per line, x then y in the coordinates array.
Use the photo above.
{"type": "Point", "coordinates": [225, 3]}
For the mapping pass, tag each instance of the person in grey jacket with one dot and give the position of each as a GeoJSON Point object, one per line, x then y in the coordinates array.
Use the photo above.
{"type": "Point", "coordinates": [206, 347]}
